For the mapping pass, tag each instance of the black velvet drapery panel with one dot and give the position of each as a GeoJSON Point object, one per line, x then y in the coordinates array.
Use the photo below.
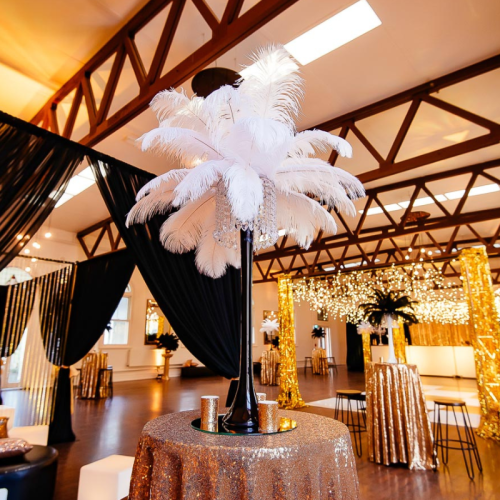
{"type": "Point", "coordinates": [99, 285]}
{"type": "Point", "coordinates": [204, 312]}
{"type": "Point", "coordinates": [34, 171]}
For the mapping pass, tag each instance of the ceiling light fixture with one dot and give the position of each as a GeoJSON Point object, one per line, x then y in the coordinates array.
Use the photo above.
{"type": "Point", "coordinates": [331, 34]}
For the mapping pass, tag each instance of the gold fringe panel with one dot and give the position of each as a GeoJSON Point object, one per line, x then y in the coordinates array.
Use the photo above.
{"type": "Point", "coordinates": [289, 396]}
{"type": "Point", "coordinates": [485, 338]}
{"type": "Point", "coordinates": [437, 334]}
{"type": "Point", "coordinates": [398, 338]}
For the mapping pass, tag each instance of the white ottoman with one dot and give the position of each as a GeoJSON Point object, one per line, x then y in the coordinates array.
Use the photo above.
{"type": "Point", "coordinates": [34, 434]}
{"type": "Point", "coordinates": [8, 411]}
{"type": "Point", "coordinates": [3, 493]}
{"type": "Point", "coordinates": [106, 479]}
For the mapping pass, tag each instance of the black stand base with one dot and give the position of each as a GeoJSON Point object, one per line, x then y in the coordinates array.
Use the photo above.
{"type": "Point", "coordinates": [243, 416]}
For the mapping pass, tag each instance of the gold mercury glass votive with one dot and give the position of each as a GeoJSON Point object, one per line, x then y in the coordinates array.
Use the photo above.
{"type": "Point", "coordinates": [209, 426]}
{"type": "Point", "coordinates": [209, 409]}
{"type": "Point", "coordinates": [268, 416]}
{"type": "Point", "coordinates": [261, 396]}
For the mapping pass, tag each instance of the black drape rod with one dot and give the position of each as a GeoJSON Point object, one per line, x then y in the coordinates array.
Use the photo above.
{"type": "Point", "coordinates": [92, 154]}
{"type": "Point", "coordinates": [45, 259]}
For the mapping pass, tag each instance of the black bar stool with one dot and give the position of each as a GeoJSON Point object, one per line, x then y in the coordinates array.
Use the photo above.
{"type": "Point", "coordinates": [467, 444]}
{"type": "Point", "coordinates": [308, 363]}
{"type": "Point", "coordinates": [358, 426]}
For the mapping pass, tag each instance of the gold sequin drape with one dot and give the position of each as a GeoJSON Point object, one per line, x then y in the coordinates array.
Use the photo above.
{"type": "Point", "coordinates": [398, 338]}
{"type": "Point", "coordinates": [437, 334]}
{"type": "Point", "coordinates": [289, 396]}
{"type": "Point", "coordinates": [485, 338]}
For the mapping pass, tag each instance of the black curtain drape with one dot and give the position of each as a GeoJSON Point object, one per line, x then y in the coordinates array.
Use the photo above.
{"type": "Point", "coordinates": [34, 173]}
{"type": "Point", "coordinates": [99, 285]}
{"type": "Point", "coordinates": [355, 361]}
{"type": "Point", "coordinates": [204, 312]}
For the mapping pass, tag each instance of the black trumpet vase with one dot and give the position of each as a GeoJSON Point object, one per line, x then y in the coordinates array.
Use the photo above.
{"type": "Point", "coordinates": [243, 416]}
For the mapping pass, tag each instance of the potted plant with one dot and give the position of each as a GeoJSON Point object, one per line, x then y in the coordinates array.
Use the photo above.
{"type": "Point", "coordinates": [387, 307]}
{"type": "Point", "coordinates": [169, 342]}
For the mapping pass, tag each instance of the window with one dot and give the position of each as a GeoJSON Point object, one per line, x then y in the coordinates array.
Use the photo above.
{"type": "Point", "coordinates": [117, 334]}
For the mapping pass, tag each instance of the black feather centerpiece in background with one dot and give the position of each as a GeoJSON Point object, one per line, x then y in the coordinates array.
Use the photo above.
{"type": "Point", "coordinates": [168, 341]}
{"type": "Point", "coordinates": [318, 332]}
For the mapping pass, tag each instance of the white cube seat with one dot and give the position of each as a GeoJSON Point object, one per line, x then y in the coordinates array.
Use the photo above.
{"type": "Point", "coordinates": [3, 493]}
{"type": "Point", "coordinates": [34, 434]}
{"type": "Point", "coordinates": [8, 411]}
{"type": "Point", "coordinates": [106, 479]}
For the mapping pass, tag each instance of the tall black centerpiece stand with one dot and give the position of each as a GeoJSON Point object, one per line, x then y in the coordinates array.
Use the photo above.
{"type": "Point", "coordinates": [243, 415]}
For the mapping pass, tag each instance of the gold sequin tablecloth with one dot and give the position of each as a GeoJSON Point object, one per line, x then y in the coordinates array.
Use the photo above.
{"type": "Point", "coordinates": [319, 361]}
{"type": "Point", "coordinates": [313, 462]}
{"type": "Point", "coordinates": [269, 372]}
{"type": "Point", "coordinates": [399, 429]}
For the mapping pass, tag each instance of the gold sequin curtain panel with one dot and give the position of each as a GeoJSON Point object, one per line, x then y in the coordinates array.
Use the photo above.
{"type": "Point", "coordinates": [436, 334]}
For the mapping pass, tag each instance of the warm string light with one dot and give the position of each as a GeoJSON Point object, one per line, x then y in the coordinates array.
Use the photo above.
{"type": "Point", "coordinates": [439, 300]}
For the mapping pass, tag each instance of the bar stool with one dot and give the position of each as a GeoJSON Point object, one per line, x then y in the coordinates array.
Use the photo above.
{"type": "Point", "coordinates": [307, 361]}
{"type": "Point", "coordinates": [332, 364]}
{"type": "Point", "coordinates": [468, 444]}
{"type": "Point", "coordinates": [358, 426]}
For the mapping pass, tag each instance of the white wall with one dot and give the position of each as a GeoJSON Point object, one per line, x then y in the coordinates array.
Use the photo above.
{"type": "Point", "coordinates": [265, 297]}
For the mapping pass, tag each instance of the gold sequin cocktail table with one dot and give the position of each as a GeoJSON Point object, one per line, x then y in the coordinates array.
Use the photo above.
{"type": "Point", "coordinates": [399, 429]}
{"type": "Point", "coordinates": [313, 462]}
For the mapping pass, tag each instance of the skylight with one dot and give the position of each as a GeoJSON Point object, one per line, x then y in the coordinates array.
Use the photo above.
{"type": "Point", "coordinates": [427, 200]}
{"type": "Point", "coordinates": [331, 34]}
{"type": "Point", "coordinates": [76, 185]}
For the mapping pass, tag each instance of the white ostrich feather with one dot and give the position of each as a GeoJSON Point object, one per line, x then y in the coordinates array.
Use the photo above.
{"type": "Point", "coordinates": [241, 135]}
{"type": "Point", "coordinates": [166, 103]}
{"type": "Point", "coordinates": [303, 217]}
{"type": "Point", "coordinates": [157, 202]}
{"type": "Point", "coordinates": [181, 232]}
{"type": "Point", "coordinates": [244, 191]}
{"type": "Point", "coordinates": [270, 326]}
{"type": "Point", "coordinates": [198, 181]}
{"type": "Point", "coordinates": [306, 143]}
{"type": "Point", "coordinates": [212, 259]}
{"type": "Point", "coordinates": [186, 145]}
{"type": "Point", "coordinates": [274, 87]}
{"type": "Point", "coordinates": [319, 184]}
{"type": "Point", "coordinates": [167, 181]}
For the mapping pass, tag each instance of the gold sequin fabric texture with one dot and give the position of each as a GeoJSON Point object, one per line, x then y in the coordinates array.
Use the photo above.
{"type": "Point", "coordinates": [399, 429]}
{"type": "Point", "coordinates": [313, 462]}
{"type": "Point", "coordinates": [485, 337]}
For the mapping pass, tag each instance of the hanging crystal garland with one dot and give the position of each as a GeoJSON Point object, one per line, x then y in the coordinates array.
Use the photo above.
{"type": "Point", "coordinates": [264, 226]}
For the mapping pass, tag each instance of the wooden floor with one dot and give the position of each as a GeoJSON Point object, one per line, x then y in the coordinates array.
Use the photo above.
{"type": "Point", "coordinates": [113, 427]}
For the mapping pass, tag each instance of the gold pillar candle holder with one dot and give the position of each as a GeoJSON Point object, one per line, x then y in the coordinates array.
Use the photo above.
{"type": "Point", "coordinates": [209, 426]}
{"type": "Point", "coordinates": [261, 396]}
{"type": "Point", "coordinates": [268, 416]}
{"type": "Point", "coordinates": [209, 409]}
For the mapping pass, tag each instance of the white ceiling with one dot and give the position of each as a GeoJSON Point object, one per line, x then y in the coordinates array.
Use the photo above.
{"type": "Point", "coordinates": [43, 43]}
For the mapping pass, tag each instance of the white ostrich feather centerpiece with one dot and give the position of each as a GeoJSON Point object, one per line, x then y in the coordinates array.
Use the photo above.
{"type": "Point", "coordinates": [242, 140]}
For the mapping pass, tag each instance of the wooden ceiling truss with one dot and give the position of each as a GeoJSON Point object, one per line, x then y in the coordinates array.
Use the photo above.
{"type": "Point", "coordinates": [320, 255]}
{"type": "Point", "coordinates": [227, 32]}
